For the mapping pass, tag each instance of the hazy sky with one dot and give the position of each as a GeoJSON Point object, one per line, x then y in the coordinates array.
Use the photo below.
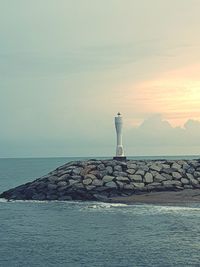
{"type": "Point", "coordinates": [67, 67]}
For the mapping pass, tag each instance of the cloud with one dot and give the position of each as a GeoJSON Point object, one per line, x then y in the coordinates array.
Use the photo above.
{"type": "Point", "coordinates": [157, 135]}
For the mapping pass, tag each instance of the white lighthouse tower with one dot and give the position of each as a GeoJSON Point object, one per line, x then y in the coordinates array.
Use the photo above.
{"type": "Point", "coordinates": [118, 127]}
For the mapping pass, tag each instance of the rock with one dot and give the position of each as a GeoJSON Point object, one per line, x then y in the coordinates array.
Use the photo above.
{"type": "Point", "coordinates": [109, 169]}
{"type": "Point", "coordinates": [39, 197]}
{"type": "Point", "coordinates": [154, 184]}
{"type": "Point", "coordinates": [194, 182]}
{"type": "Point", "coordinates": [90, 187]}
{"type": "Point", "coordinates": [168, 170]}
{"type": "Point", "coordinates": [148, 178]}
{"type": "Point", "coordinates": [189, 176]}
{"type": "Point", "coordinates": [130, 171]}
{"type": "Point", "coordinates": [87, 169]}
{"type": "Point", "coordinates": [71, 182]}
{"type": "Point", "coordinates": [131, 165]}
{"type": "Point", "coordinates": [172, 183]}
{"type": "Point", "coordinates": [184, 181]}
{"type": "Point", "coordinates": [101, 167]}
{"type": "Point", "coordinates": [140, 172]}
{"type": "Point", "coordinates": [123, 179]}
{"type": "Point", "coordinates": [64, 198]}
{"type": "Point", "coordinates": [136, 178]}
{"type": "Point", "coordinates": [52, 186]}
{"type": "Point", "coordinates": [159, 178]}
{"type": "Point", "coordinates": [196, 174]}
{"type": "Point", "coordinates": [64, 177]}
{"type": "Point", "coordinates": [90, 176]}
{"type": "Point", "coordinates": [167, 176]}
{"type": "Point", "coordinates": [87, 181]}
{"type": "Point", "coordinates": [120, 184]}
{"type": "Point", "coordinates": [118, 168]}
{"type": "Point", "coordinates": [78, 185]}
{"type": "Point", "coordinates": [176, 175]}
{"type": "Point", "coordinates": [155, 167]}
{"type": "Point", "coordinates": [116, 173]}
{"type": "Point", "coordinates": [76, 177]}
{"type": "Point", "coordinates": [108, 178]}
{"type": "Point", "coordinates": [101, 197]}
{"type": "Point", "coordinates": [138, 185]}
{"type": "Point", "coordinates": [53, 179]}
{"type": "Point", "coordinates": [176, 166]}
{"type": "Point", "coordinates": [129, 186]}
{"type": "Point", "coordinates": [111, 185]}
{"type": "Point", "coordinates": [97, 182]}
{"type": "Point", "coordinates": [77, 171]}
{"type": "Point", "coordinates": [62, 183]}
{"type": "Point", "coordinates": [191, 170]}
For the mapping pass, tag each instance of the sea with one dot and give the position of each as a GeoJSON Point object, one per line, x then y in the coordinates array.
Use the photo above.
{"type": "Point", "coordinates": [91, 234]}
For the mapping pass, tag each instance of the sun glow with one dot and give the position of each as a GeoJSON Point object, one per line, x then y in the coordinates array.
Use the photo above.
{"type": "Point", "coordinates": [174, 95]}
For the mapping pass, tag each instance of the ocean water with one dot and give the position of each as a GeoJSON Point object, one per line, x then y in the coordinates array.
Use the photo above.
{"type": "Point", "coordinates": [91, 234]}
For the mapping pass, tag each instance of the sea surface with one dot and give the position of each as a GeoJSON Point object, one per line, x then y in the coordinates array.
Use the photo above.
{"type": "Point", "coordinates": [91, 234]}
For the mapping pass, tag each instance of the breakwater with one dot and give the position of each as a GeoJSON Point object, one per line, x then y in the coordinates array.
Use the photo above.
{"type": "Point", "coordinates": [104, 179]}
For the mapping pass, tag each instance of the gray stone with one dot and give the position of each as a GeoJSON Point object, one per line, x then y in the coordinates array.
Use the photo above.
{"type": "Point", "coordinates": [168, 170]}
{"type": "Point", "coordinates": [39, 197]}
{"type": "Point", "coordinates": [111, 185]}
{"type": "Point", "coordinates": [191, 170]}
{"type": "Point", "coordinates": [176, 175]}
{"type": "Point", "coordinates": [140, 172]}
{"type": "Point", "coordinates": [184, 181]}
{"type": "Point", "coordinates": [97, 182]}
{"type": "Point", "coordinates": [138, 185]}
{"type": "Point", "coordinates": [155, 167]}
{"type": "Point", "coordinates": [76, 177]}
{"type": "Point", "coordinates": [136, 178]}
{"type": "Point", "coordinates": [159, 178]}
{"type": "Point", "coordinates": [78, 186]}
{"type": "Point", "coordinates": [130, 171]}
{"type": "Point", "coordinates": [109, 169]}
{"type": "Point", "coordinates": [116, 173]}
{"type": "Point", "coordinates": [87, 181]}
{"type": "Point", "coordinates": [154, 184]}
{"type": "Point", "coordinates": [148, 178]}
{"type": "Point", "coordinates": [194, 182]}
{"type": "Point", "coordinates": [64, 198]}
{"type": "Point", "coordinates": [64, 177]}
{"type": "Point", "coordinates": [176, 166]}
{"type": "Point", "coordinates": [118, 168]}
{"type": "Point", "coordinates": [71, 182]}
{"type": "Point", "coordinates": [189, 176]}
{"type": "Point", "coordinates": [77, 171]}
{"type": "Point", "coordinates": [131, 165]}
{"type": "Point", "coordinates": [62, 183]}
{"type": "Point", "coordinates": [196, 174]}
{"type": "Point", "coordinates": [90, 176]}
{"type": "Point", "coordinates": [121, 178]}
{"type": "Point", "coordinates": [120, 184]}
{"type": "Point", "coordinates": [52, 186]}
{"type": "Point", "coordinates": [90, 187]}
{"type": "Point", "coordinates": [108, 178]}
{"type": "Point", "coordinates": [129, 186]}
{"type": "Point", "coordinates": [52, 179]}
{"type": "Point", "coordinates": [172, 183]}
{"type": "Point", "coordinates": [167, 176]}
{"type": "Point", "coordinates": [101, 167]}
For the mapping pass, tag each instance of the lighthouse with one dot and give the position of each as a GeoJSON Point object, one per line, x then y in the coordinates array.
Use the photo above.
{"type": "Point", "coordinates": [119, 148]}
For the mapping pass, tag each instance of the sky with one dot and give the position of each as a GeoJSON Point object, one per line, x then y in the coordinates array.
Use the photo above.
{"type": "Point", "coordinates": [68, 66]}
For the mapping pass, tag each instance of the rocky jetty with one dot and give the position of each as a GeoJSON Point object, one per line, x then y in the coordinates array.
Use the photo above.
{"type": "Point", "coordinates": [105, 179]}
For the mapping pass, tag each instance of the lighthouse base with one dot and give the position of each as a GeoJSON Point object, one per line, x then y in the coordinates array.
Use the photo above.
{"type": "Point", "coordinates": [120, 158]}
